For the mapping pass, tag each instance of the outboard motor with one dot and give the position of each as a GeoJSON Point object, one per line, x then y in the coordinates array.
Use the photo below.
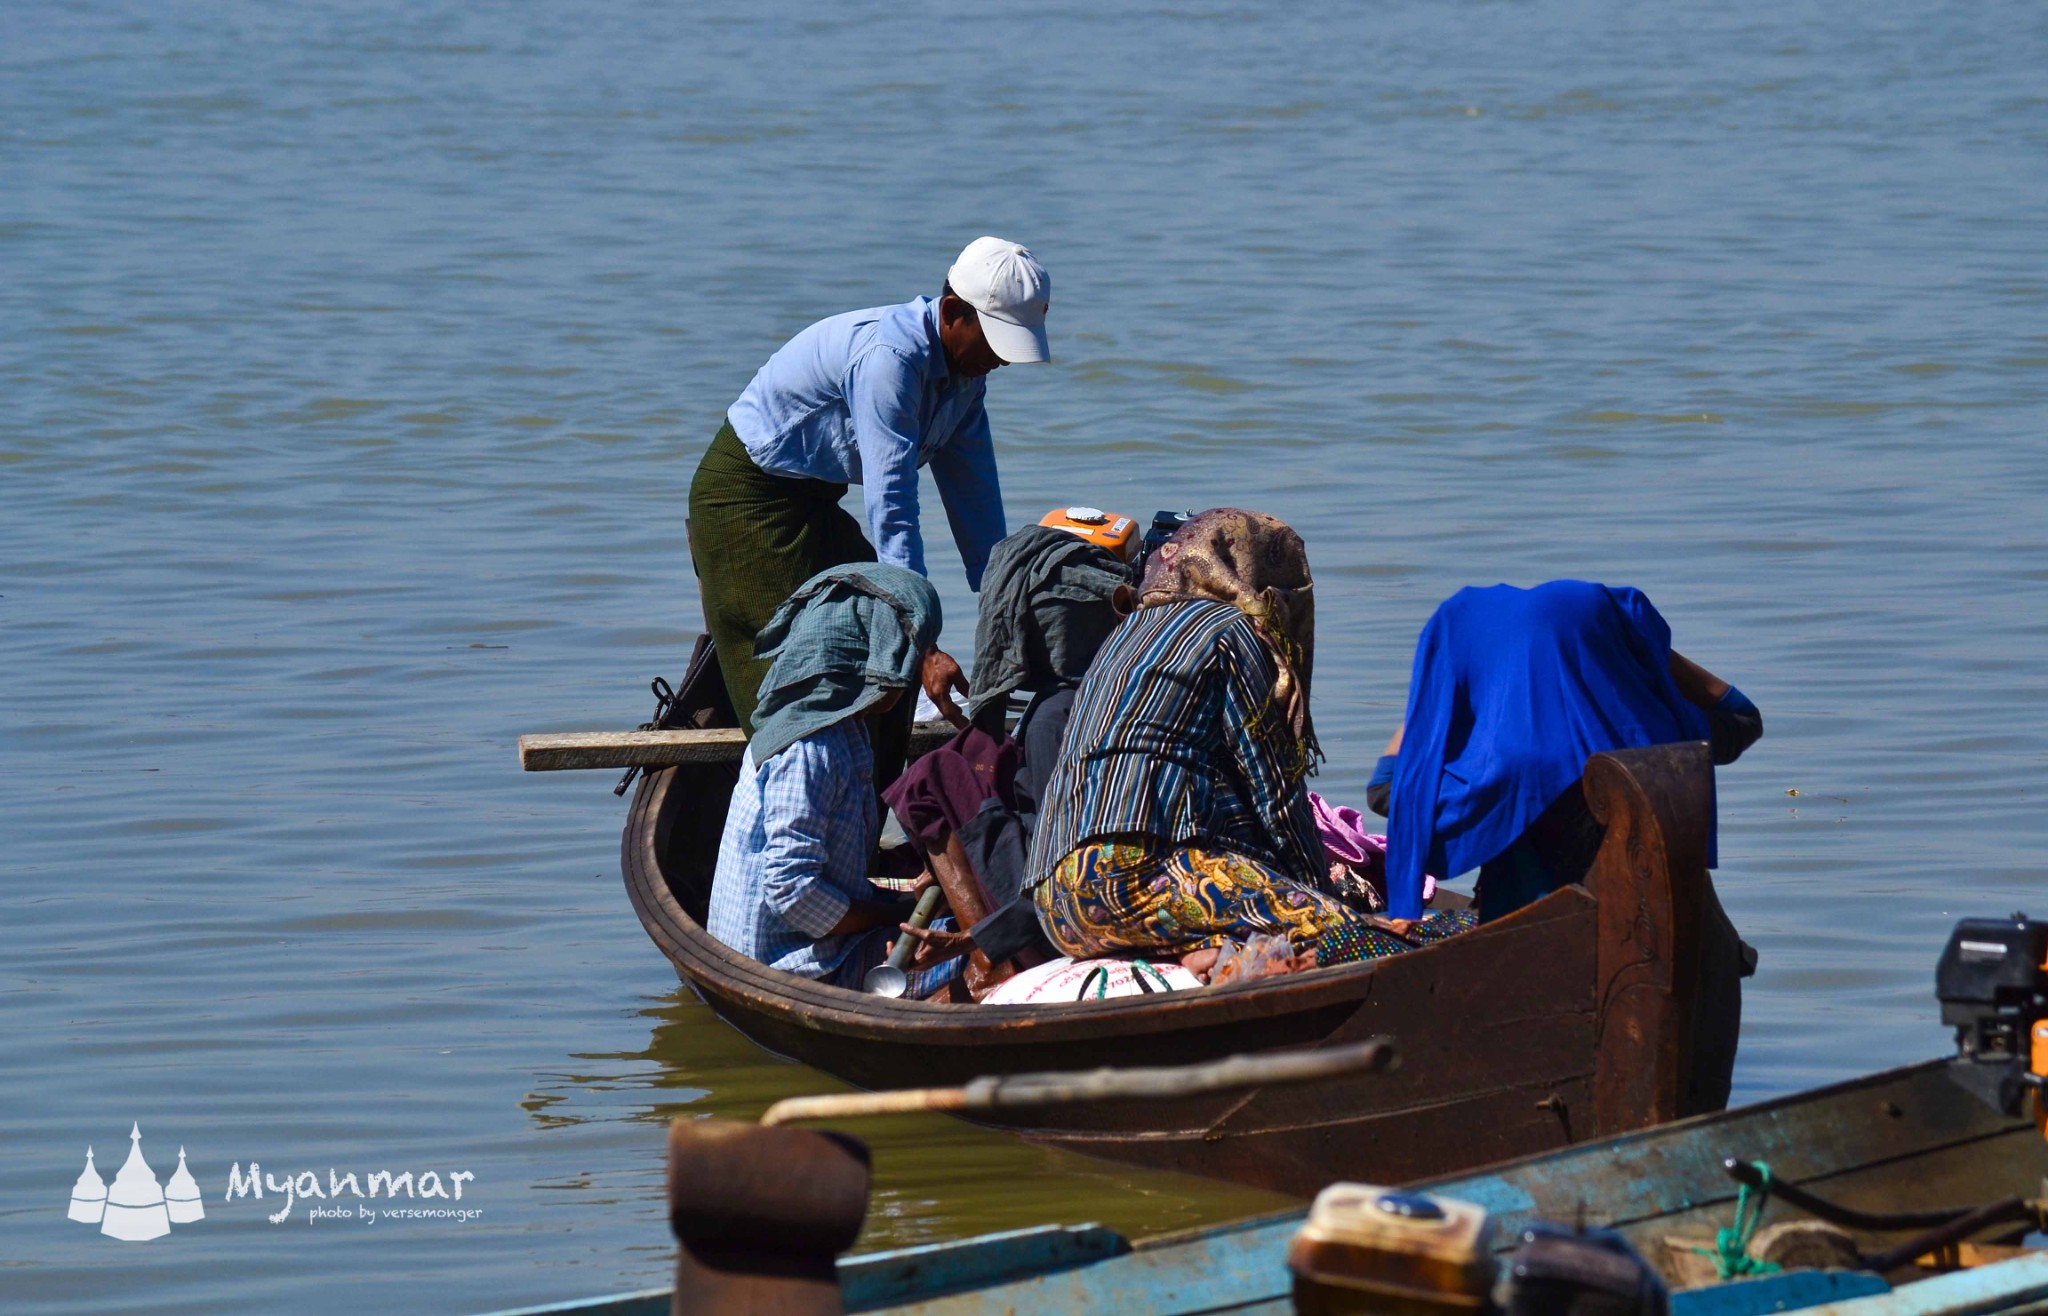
{"type": "Point", "coordinates": [1992, 982]}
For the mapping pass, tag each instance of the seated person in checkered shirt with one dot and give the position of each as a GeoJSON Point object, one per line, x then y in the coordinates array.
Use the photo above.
{"type": "Point", "coordinates": [791, 888]}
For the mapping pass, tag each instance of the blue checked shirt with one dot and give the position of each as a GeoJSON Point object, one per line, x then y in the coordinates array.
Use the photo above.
{"type": "Point", "coordinates": [795, 854]}
{"type": "Point", "coordinates": [867, 398]}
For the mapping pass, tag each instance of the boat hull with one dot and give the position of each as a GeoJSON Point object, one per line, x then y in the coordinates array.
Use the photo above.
{"type": "Point", "coordinates": [1596, 1010]}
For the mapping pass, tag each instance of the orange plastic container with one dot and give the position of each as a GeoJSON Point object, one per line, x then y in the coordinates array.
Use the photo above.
{"type": "Point", "coordinates": [1117, 533]}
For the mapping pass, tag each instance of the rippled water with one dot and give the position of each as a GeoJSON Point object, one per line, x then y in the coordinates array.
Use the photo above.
{"type": "Point", "coordinates": [357, 357]}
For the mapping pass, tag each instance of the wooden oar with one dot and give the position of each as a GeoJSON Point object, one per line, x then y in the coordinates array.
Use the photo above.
{"type": "Point", "coordinates": [559, 751]}
{"type": "Point", "coordinates": [1273, 1069]}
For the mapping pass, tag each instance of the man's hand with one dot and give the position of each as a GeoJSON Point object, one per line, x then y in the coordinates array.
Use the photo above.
{"type": "Point", "coordinates": [941, 677]}
{"type": "Point", "coordinates": [935, 945]}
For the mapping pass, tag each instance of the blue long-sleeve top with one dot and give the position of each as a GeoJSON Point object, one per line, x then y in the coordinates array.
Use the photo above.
{"type": "Point", "coordinates": [1512, 691]}
{"type": "Point", "coordinates": [867, 398]}
{"type": "Point", "coordinates": [1734, 723]}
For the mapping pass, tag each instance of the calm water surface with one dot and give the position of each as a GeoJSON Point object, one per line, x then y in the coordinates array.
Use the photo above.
{"type": "Point", "coordinates": [356, 359]}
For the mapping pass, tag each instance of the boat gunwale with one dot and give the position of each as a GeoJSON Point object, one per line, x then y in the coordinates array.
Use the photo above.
{"type": "Point", "coordinates": [719, 970]}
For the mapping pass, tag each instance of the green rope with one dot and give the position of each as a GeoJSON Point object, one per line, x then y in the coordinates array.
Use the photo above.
{"type": "Point", "coordinates": [1731, 1245]}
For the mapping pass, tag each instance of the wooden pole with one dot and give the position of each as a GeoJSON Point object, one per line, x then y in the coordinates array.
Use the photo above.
{"type": "Point", "coordinates": [1378, 1055]}
{"type": "Point", "coordinates": [568, 750]}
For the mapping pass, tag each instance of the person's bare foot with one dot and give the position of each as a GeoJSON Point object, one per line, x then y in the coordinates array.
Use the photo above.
{"type": "Point", "coordinates": [1201, 962]}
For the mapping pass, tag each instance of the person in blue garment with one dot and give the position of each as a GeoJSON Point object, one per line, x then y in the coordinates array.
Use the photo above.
{"type": "Point", "coordinates": [1512, 691]}
{"type": "Point", "coordinates": [867, 398]}
{"type": "Point", "coordinates": [792, 888]}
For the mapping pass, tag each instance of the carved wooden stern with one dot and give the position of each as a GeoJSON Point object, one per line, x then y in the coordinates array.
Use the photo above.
{"type": "Point", "coordinates": [1667, 983]}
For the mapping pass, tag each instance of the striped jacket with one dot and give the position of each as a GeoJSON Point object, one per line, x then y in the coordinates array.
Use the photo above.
{"type": "Point", "coordinates": [1174, 735]}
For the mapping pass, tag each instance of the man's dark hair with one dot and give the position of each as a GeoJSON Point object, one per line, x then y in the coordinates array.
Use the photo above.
{"type": "Point", "coordinates": [947, 291]}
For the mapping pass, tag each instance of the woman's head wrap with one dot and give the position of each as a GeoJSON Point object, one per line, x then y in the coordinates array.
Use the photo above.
{"type": "Point", "coordinates": [846, 638]}
{"type": "Point", "coordinates": [1258, 565]}
{"type": "Point", "coordinates": [1046, 607]}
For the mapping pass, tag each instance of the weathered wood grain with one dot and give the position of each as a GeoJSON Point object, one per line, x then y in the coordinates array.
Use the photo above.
{"type": "Point", "coordinates": [564, 751]}
{"type": "Point", "coordinates": [569, 750]}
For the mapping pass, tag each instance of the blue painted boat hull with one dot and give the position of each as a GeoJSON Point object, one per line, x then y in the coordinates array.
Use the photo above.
{"type": "Point", "coordinates": [1906, 1138]}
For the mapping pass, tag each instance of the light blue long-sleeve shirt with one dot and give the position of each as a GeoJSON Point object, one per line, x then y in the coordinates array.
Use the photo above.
{"type": "Point", "coordinates": [866, 398]}
{"type": "Point", "coordinates": [794, 856]}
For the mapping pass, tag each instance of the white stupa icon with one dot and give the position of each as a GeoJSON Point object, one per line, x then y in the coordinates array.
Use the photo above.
{"type": "Point", "coordinates": [181, 1195]}
{"type": "Point", "coordinates": [89, 1194]}
{"type": "Point", "coordinates": [135, 1204]}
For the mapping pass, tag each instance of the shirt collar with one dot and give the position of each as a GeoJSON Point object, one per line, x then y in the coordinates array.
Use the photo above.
{"type": "Point", "coordinates": [938, 371]}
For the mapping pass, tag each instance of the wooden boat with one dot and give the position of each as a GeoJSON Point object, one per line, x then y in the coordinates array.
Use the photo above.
{"type": "Point", "coordinates": [1908, 1139]}
{"type": "Point", "coordinates": [1600, 1009]}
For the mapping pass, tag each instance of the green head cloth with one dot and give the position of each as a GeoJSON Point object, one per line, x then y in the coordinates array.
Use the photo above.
{"type": "Point", "coordinates": [843, 641]}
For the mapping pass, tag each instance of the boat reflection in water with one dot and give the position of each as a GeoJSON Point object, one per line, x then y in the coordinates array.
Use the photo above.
{"type": "Point", "coordinates": [935, 1178]}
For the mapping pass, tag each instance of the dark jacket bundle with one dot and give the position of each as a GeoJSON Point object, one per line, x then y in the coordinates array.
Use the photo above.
{"type": "Point", "coordinates": [1046, 607]}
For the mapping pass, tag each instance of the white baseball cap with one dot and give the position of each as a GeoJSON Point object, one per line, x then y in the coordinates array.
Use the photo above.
{"type": "Point", "coordinates": [1010, 291]}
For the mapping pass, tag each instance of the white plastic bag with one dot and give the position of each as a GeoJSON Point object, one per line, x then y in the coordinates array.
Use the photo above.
{"type": "Point", "coordinates": [1089, 980]}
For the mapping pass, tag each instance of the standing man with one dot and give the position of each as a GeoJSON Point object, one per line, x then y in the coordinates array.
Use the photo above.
{"type": "Point", "coordinates": [862, 398]}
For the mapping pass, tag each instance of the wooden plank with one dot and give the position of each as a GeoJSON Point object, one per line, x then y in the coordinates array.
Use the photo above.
{"type": "Point", "coordinates": [2002, 1287]}
{"type": "Point", "coordinates": [886, 1279]}
{"type": "Point", "coordinates": [645, 1302]}
{"type": "Point", "coordinates": [562, 751]}
{"type": "Point", "coordinates": [1238, 1267]}
{"type": "Point", "coordinates": [1793, 1291]}
{"type": "Point", "coordinates": [569, 750]}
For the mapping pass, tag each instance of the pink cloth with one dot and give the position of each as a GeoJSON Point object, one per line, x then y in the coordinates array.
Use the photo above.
{"type": "Point", "coordinates": [1346, 841]}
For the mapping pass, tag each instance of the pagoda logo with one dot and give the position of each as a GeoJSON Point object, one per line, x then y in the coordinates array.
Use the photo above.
{"type": "Point", "coordinates": [137, 1208]}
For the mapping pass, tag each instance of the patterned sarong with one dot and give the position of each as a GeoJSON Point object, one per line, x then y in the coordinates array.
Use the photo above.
{"type": "Point", "coordinates": [1115, 897]}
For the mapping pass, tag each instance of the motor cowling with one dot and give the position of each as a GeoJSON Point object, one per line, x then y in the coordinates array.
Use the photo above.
{"type": "Point", "coordinates": [1992, 982]}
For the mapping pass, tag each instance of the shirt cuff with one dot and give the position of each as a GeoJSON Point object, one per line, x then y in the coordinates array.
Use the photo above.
{"type": "Point", "coordinates": [1009, 931]}
{"type": "Point", "coordinates": [1734, 701]}
{"type": "Point", "coordinates": [816, 909]}
{"type": "Point", "coordinates": [1733, 725]}
{"type": "Point", "coordinates": [1379, 791]}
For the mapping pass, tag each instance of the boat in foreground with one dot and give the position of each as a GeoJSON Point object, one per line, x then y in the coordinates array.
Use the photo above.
{"type": "Point", "coordinates": [1901, 1141]}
